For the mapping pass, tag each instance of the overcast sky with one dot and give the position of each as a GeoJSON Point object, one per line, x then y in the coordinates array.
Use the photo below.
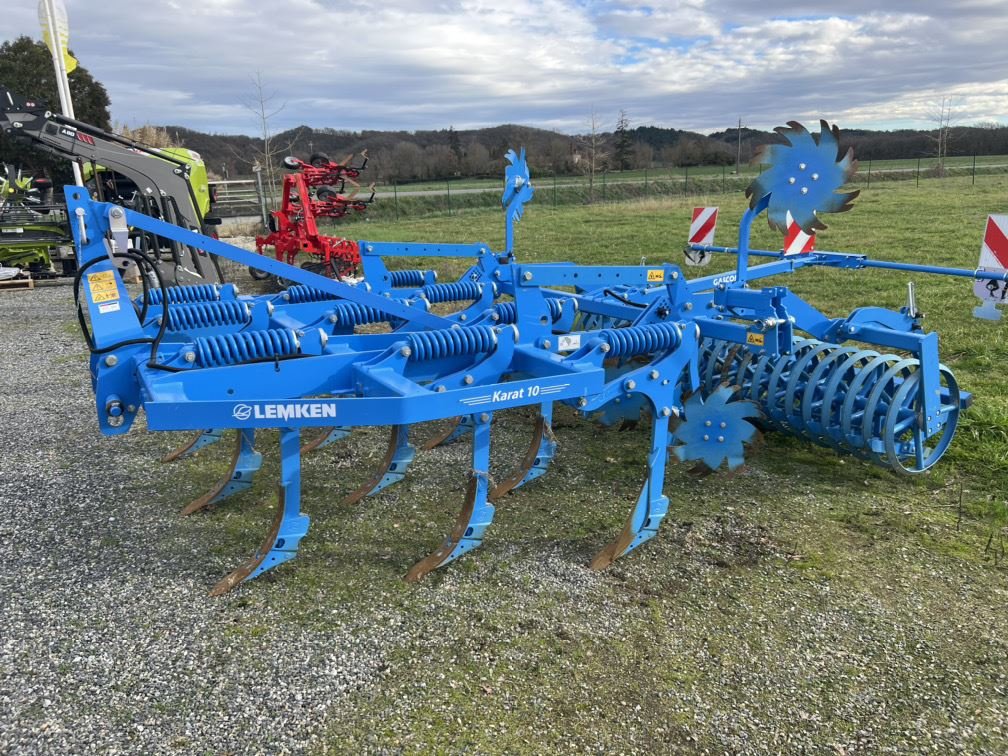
{"type": "Point", "coordinates": [429, 64]}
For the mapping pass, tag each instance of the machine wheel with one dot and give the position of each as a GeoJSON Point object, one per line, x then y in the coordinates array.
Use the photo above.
{"type": "Point", "coordinates": [318, 159]}
{"type": "Point", "coordinates": [291, 163]}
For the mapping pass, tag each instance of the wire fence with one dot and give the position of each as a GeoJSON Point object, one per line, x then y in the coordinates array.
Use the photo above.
{"type": "Point", "coordinates": [250, 199]}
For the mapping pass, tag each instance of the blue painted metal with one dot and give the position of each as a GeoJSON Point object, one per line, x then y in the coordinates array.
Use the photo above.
{"type": "Point", "coordinates": [629, 341]}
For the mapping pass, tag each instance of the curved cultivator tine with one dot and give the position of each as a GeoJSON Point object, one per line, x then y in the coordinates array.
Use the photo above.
{"type": "Point", "coordinates": [325, 437]}
{"type": "Point", "coordinates": [289, 525]}
{"type": "Point", "coordinates": [536, 460]}
{"type": "Point", "coordinates": [244, 463]}
{"type": "Point", "coordinates": [476, 515]}
{"type": "Point", "coordinates": [458, 427]}
{"type": "Point", "coordinates": [194, 444]}
{"type": "Point", "coordinates": [393, 466]}
{"type": "Point", "coordinates": [651, 506]}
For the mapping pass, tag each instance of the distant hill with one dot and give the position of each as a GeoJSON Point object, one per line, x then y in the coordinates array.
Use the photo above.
{"type": "Point", "coordinates": [405, 156]}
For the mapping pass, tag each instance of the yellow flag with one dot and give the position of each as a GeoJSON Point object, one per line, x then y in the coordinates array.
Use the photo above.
{"type": "Point", "coordinates": [62, 28]}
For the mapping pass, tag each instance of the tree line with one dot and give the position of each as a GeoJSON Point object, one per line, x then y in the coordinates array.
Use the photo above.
{"type": "Point", "coordinates": [443, 154]}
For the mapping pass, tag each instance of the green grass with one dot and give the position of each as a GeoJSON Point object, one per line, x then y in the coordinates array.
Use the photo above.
{"type": "Point", "coordinates": [809, 600]}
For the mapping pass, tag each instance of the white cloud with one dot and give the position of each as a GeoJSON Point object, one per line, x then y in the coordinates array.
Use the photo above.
{"type": "Point", "coordinates": [416, 64]}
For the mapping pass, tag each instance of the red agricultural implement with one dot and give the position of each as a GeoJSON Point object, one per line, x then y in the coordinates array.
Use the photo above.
{"type": "Point", "coordinates": [316, 189]}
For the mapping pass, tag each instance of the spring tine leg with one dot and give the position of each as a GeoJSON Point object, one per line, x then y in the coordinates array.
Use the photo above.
{"type": "Point", "coordinates": [244, 463]}
{"type": "Point", "coordinates": [393, 466]}
{"type": "Point", "coordinates": [194, 444]}
{"type": "Point", "coordinates": [456, 429]}
{"type": "Point", "coordinates": [325, 437]}
{"type": "Point", "coordinates": [651, 506]}
{"type": "Point", "coordinates": [537, 457]}
{"type": "Point", "coordinates": [476, 515]}
{"type": "Point", "coordinates": [289, 526]}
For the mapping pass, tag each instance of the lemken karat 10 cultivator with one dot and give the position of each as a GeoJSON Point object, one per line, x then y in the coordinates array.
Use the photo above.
{"type": "Point", "coordinates": [609, 341]}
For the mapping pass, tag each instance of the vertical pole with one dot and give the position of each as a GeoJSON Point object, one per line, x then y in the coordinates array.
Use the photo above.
{"type": "Point", "coordinates": [869, 174]}
{"type": "Point", "coordinates": [685, 183]}
{"type": "Point", "coordinates": [974, 169]}
{"type": "Point", "coordinates": [62, 83]}
{"type": "Point", "coordinates": [738, 156]}
{"type": "Point", "coordinates": [604, 185]}
{"type": "Point", "coordinates": [645, 183]}
{"type": "Point", "coordinates": [257, 170]}
{"type": "Point", "coordinates": [448, 185]}
{"type": "Point", "coordinates": [918, 173]}
{"type": "Point", "coordinates": [554, 189]}
{"type": "Point", "coordinates": [395, 194]}
{"type": "Point", "coordinates": [724, 172]}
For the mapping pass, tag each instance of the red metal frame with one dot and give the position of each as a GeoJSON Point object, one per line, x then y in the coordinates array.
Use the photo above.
{"type": "Point", "coordinates": [295, 227]}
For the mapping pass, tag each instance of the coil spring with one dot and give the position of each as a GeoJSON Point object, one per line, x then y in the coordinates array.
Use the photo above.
{"type": "Point", "coordinates": [656, 337]}
{"type": "Point", "coordinates": [185, 294]}
{"type": "Point", "coordinates": [507, 312]}
{"type": "Point", "coordinates": [234, 348]}
{"type": "Point", "coordinates": [451, 292]}
{"type": "Point", "coordinates": [851, 399]}
{"type": "Point", "coordinates": [349, 314]}
{"type": "Point", "coordinates": [205, 314]}
{"type": "Point", "coordinates": [451, 342]}
{"type": "Point", "coordinates": [300, 294]}
{"type": "Point", "coordinates": [404, 278]}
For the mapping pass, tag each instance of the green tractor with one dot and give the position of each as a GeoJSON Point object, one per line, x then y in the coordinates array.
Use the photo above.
{"type": "Point", "coordinates": [32, 229]}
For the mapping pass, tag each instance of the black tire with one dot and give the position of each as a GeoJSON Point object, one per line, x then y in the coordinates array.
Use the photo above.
{"type": "Point", "coordinates": [326, 193]}
{"type": "Point", "coordinates": [271, 224]}
{"type": "Point", "coordinates": [291, 163]}
{"type": "Point", "coordinates": [258, 275]}
{"type": "Point", "coordinates": [319, 159]}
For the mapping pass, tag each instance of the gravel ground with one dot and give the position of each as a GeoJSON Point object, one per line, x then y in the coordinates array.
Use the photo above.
{"type": "Point", "coordinates": [109, 642]}
{"type": "Point", "coordinates": [803, 604]}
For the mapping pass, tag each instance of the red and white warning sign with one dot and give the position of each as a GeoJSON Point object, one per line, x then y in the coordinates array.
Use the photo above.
{"type": "Point", "coordinates": [796, 241]}
{"type": "Point", "coordinates": [994, 258]}
{"type": "Point", "coordinates": [703, 225]}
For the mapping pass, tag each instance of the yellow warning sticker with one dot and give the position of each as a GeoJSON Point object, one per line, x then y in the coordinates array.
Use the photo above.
{"type": "Point", "coordinates": [655, 276]}
{"type": "Point", "coordinates": [103, 286]}
{"type": "Point", "coordinates": [756, 339]}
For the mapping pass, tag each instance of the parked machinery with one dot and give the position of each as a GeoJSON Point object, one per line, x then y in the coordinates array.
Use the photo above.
{"type": "Point", "coordinates": [703, 358]}
{"type": "Point", "coordinates": [315, 190]}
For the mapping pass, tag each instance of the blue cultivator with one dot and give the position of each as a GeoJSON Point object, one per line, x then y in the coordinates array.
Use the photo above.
{"type": "Point", "coordinates": [700, 358]}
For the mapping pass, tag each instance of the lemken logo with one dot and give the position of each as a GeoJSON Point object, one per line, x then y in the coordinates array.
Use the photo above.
{"type": "Point", "coordinates": [280, 411]}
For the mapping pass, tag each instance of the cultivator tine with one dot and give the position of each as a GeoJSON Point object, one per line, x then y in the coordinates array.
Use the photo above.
{"type": "Point", "coordinates": [325, 437]}
{"type": "Point", "coordinates": [289, 525]}
{"type": "Point", "coordinates": [244, 463]}
{"type": "Point", "coordinates": [393, 466]}
{"type": "Point", "coordinates": [476, 515]}
{"type": "Point", "coordinates": [651, 506]}
{"type": "Point", "coordinates": [536, 460]}
{"type": "Point", "coordinates": [458, 427]}
{"type": "Point", "coordinates": [194, 444]}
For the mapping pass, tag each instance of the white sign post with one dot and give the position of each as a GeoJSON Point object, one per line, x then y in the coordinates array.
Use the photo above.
{"type": "Point", "coordinates": [56, 32]}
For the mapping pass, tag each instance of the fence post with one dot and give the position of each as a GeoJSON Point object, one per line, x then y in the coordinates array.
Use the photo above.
{"type": "Point", "coordinates": [918, 173]}
{"type": "Point", "coordinates": [974, 169]}
{"type": "Point", "coordinates": [645, 183]}
{"type": "Point", "coordinates": [604, 185]}
{"type": "Point", "coordinates": [448, 186]}
{"type": "Point", "coordinates": [724, 176]}
{"type": "Point", "coordinates": [257, 170]}
{"type": "Point", "coordinates": [395, 194]}
{"type": "Point", "coordinates": [554, 189]}
{"type": "Point", "coordinates": [869, 174]}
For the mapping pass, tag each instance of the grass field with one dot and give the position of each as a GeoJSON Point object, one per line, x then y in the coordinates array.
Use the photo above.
{"type": "Point", "coordinates": [809, 602]}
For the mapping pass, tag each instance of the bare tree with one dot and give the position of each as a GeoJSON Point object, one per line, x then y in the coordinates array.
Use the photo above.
{"type": "Point", "coordinates": [941, 136]}
{"type": "Point", "coordinates": [593, 148]}
{"type": "Point", "coordinates": [262, 105]}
